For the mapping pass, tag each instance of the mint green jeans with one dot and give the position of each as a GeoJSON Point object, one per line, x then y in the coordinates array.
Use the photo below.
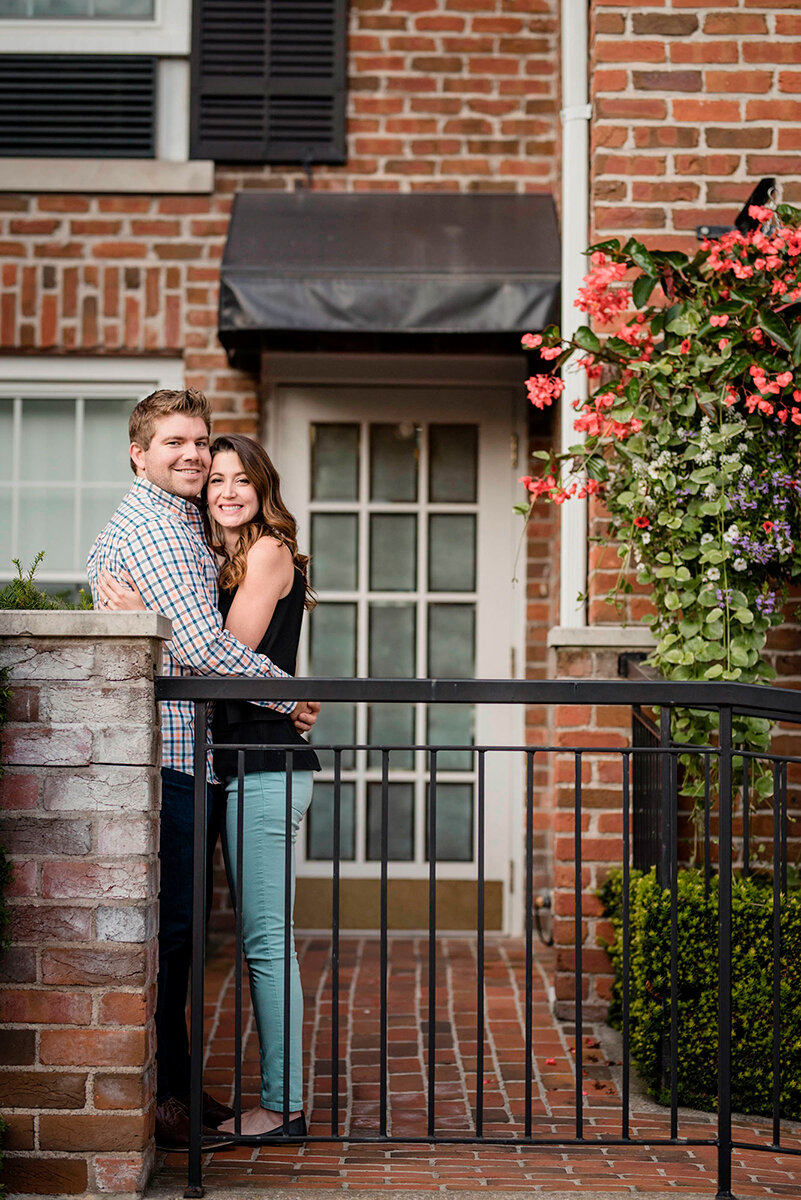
{"type": "Point", "coordinates": [263, 849]}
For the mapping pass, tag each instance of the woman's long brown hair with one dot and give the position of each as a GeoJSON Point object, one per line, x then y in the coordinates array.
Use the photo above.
{"type": "Point", "coordinates": [272, 520]}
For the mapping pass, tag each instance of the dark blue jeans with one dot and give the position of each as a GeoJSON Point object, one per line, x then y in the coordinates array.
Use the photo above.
{"type": "Point", "coordinates": [175, 930]}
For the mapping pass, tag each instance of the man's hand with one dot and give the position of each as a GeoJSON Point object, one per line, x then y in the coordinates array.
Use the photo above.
{"type": "Point", "coordinates": [305, 714]}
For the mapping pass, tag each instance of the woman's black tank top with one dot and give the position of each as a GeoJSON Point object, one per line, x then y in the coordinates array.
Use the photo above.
{"type": "Point", "coordinates": [238, 721]}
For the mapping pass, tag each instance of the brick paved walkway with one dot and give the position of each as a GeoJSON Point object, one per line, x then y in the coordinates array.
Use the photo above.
{"type": "Point", "coordinates": [681, 1171]}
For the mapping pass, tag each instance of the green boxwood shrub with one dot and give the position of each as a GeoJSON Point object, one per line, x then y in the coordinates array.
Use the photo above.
{"type": "Point", "coordinates": [752, 989]}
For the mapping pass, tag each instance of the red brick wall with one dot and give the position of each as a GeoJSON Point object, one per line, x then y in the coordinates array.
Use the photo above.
{"type": "Point", "coordinates": [449, 95]}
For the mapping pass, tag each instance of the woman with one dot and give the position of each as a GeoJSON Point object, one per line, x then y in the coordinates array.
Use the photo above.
{"type": "Point", "coordinates": [264, 590]}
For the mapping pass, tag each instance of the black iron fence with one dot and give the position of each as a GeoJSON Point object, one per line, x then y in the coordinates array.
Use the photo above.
{"type": "Point", "coordinates": [648, 761]}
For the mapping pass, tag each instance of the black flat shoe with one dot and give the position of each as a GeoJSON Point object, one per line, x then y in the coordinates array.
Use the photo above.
{"type": "Point", "coordinates": [293, 1129]}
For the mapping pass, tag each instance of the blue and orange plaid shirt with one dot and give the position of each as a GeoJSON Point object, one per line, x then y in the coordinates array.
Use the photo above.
{"type": "Point", "coordinates": [158, 539]}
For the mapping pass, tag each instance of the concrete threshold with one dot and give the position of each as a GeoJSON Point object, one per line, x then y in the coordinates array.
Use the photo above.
{"type": "Point", "coordinates": [270, 1193]}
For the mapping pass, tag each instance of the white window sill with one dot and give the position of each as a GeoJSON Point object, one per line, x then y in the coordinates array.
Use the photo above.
{"type": "Point", "coordinates": [148, 175]}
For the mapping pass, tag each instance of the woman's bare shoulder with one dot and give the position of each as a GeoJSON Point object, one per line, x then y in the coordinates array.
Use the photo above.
{"type": "Point", "coordinates": [268, 553]}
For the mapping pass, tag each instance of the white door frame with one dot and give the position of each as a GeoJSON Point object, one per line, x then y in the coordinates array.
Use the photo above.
{"type": "Point", "coordinates": [443, 371]}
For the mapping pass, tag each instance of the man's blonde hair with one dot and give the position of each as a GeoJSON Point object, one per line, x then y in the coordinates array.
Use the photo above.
{"type": "Point", "coordinates": [163, 403]}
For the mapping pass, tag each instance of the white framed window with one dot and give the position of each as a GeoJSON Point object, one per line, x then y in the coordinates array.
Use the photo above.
{"type": "Point", "coordinates": [161, 27]}
{"type": "Point", "coordinates": [64, 463]}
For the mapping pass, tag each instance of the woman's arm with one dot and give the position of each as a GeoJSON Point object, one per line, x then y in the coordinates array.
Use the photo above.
{"type": "Point", "coordinates": [269, 578]}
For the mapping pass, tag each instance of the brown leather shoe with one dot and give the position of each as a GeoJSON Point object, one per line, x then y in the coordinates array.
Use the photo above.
{"type": "Point", "coordinates": [214, 1113]}
{"type": "Point", "coordinates": [172, 1129]}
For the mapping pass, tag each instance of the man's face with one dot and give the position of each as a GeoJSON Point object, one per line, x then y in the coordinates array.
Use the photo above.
{"type": "Point", "coordinates": [177, 458]}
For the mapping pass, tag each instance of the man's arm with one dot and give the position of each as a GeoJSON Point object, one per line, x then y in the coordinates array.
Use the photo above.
{"type": "Point", "coordinates": [163, 565]}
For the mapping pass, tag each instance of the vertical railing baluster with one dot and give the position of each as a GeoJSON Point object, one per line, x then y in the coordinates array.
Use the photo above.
{"type": "Point", "coordinates": [578, 934]}
{"type": "Point", "coordinates": [777, 953]}
{"type": "Point", "coordinates": [239, 853]}
{"type": "Point", "coordinates": [288, 851]}
{"type": "Point", "coordinates": [382, 1099]}
{"type": "Point", "coordinates": [528, 900]}
{"type": "Point", "coordinates": [195, 1169]}
{"type": "Point", "coordinates": [783, 812]}
{"type": "Point", "coordinates": [432, 941]}
{"type": "Point", "coordinates": [626, 935]}
{"type": "Point", "coordinates": [665, 807]}
{"type": "Point", "coordinates": [707, 826]}
{"type": "Point", "coordinates": [746, 817]}
{"type": "Point", "coordinates": [724, 952]}
{"type": "Point", "coordinates": [480, 950]}
{"type": "Point", "coordinates": [335, 903]}
{"type": "Point", "coordinates": [672, 774]}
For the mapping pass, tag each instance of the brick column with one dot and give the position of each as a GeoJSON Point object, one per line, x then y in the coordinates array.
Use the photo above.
{"type": "Point", "coordinates": [80, 800]}
{"type": "Point", "coordinates": [590, 653]}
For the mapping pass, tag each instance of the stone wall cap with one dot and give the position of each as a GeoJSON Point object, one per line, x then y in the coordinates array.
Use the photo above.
{"type": "Point", "coordinates": [61, 623]}
{"type": "Point", "coordinates": [602, 637]}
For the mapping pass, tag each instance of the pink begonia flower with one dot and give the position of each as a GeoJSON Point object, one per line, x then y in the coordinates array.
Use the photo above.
{"type": "Point", "coordinates": [760, 213]}
{"type": "Point", "coordinates": [543, 390]}
{"type": "Point", "coordinates": [720, 321]}
{"type": "Point", "coordinates": [782, 415]}
{"type": "Point", "coordinates": [531, 340]}
{"type": "Point", "coordinates": [785, 378]}
{"type": "Point", "coordinates": [795, 416]}
{"type": "Point", "coordinates": [549, 352]}
{"type": "Point", "coordinates": [730, 398]}
{"type": "Point", "coordinates": [723, 343]}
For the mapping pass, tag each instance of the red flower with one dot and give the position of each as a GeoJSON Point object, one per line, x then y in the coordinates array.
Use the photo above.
{"type": "Point", "coordinates": [641, 522]}
{"type": "Point", "coordinates": [684, 348]}
{"type": "Point", "coordinates": [767, 526]}
{"type": "Point", "coordinates": [531, 340]}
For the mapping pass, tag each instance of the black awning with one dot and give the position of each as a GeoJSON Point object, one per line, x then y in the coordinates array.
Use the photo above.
{"type": "Point", "coordinates": [378, 263]}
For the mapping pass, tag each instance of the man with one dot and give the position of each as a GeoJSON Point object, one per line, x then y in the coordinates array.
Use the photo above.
{"type": "Point", "coordinates": [155, 539]}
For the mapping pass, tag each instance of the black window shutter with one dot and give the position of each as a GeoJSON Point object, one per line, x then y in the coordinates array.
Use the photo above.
{"type": "Point", "coordinates": [268, 80]}
{"type": "Point", "coordinates": [77, 105]}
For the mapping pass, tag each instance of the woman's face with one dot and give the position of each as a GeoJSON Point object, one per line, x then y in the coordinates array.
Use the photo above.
{"type": "Point", "coordinates": [231, 497]}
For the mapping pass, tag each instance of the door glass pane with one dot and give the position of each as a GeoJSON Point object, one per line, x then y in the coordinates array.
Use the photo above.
{"type": "Point", "coordinates": [451, 725]}
{"type": "Point", "coordinates": [335, 462]}
{"type": "Point", "coordinates": [391, 725]}
{"type": "Point", "coordinates": [451, 639]}
{"type": "Point", "coordinates": [333, 640]}
{"type": "Point", "coordinates": [393, 552]}
{"type": "Point", "coordinates": [400, 825]}
{"type": "Point", "coordinates": [393, 461]}
{"type": "Point", "coordinates": [105, 440]}
{"type": "Point", "coordinates": [453, 464]}
{"type": "Point", "coordinates": [47, 522]}
{"type": "Point", "coordinates": [336, 726]}
{"type": "Point", "coordinates": [320, 822]}
{"type": "Point", "coordinates": [392, 637]}
{"type": "Point", "coordinates": [454, 822]}
{"type": "Point", "coordinates": [48, 440]}
{"type": "Point", "coordinates": [5, 529]}
{"type": "Point", "coordinates": [334, 551]}
{"type": "Point", "coordinates": [6, 433]}
{"type": "Point", "coordinates": [452, 552]}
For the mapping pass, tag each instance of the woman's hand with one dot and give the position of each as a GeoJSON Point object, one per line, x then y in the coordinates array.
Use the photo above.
{"type": "Point", "coordinates": [119, 597]}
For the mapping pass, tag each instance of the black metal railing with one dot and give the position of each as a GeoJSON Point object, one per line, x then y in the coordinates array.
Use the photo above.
{"type": "Point", "coordinates": [726, 699]}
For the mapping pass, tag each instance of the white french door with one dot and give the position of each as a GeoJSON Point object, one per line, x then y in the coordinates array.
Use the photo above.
{"type": "Point", "coordinates": [403, 495]}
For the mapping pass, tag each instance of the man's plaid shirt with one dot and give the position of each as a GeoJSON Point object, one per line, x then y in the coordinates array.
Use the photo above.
{"type": "Point", "coordinates": [158, 539]}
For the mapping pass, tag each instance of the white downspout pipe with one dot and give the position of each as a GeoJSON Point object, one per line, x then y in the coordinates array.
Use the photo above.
{"type": "Point", "coordinates": [575, 115]}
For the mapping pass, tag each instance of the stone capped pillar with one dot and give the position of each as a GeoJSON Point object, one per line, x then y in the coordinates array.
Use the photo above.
{"type": "Point", "coordinates": [79, 804]}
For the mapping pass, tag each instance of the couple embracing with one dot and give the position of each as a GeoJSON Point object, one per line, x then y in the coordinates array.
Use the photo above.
{"type": "Point", "coordinates": [204, 537]}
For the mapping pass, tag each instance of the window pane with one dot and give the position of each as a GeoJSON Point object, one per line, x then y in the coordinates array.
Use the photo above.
{"type": "Point", "coordinates": [391, 725]}
{"type": "Point", "coordinates": [393, 552]}
{"type": "Point", "coordinates": [454, 822]}
{"type": "Point", "coordinates": [6, 436]}
{"type": "Point", "coordinates": [451, 725]}
{"type": "Point", "coordinates": [97, 506]}
{"type": "Point", "coordinates": [61, 8]}
{"type": "Point", "coordinates": [400, 826]}
{"type": "Point", "coordinates": [453, 464]}
{"type": "Point", "coordinates": [333, 640]}
{"type": "Point", "coordinates": [5, 529]}
{"type": "Point", "coordinates": [336, 726]}
{"type": "Point", "coordinates": [47, 522]}
{"type": "Point", "coordinates": [393, 461]}
{"type": "Point", "coordinates": [451, 553]}
{"type": "Point", "coordinates": [48, 440]}
{"type": "Point", "coordinates": [128, 10]}
{"type": "Point", "coordinates": [105, 10]}
{"type": "Point", "coordinates": [392, 634]}
{"type": "Point", "coordinates": [335, 462]}
{"type": "Point", "coordinates": [451, 641]}
{"type": "Point", "coordinates": [320, 822]}
{"type": "Point", "coordinates": [15, 8]}
{"type": "Point", "coordinates": [105, 441]}
{"type": "Point", "coordinates": [334, 551]}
